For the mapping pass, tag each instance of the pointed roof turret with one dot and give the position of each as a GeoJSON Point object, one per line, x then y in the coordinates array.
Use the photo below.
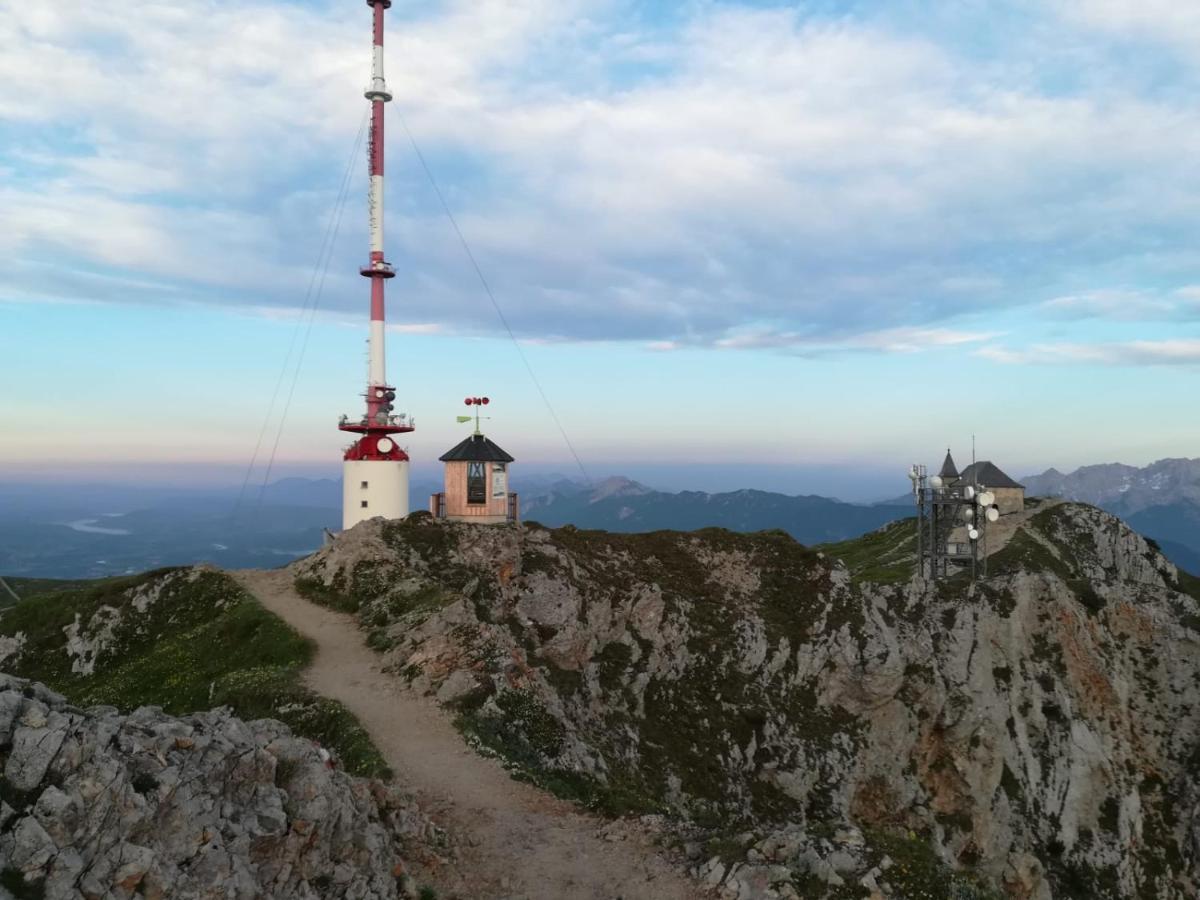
{"type": "Point", "coordinates": [476, 448]}
{"type": "Point", "coordinates": [949, 469]}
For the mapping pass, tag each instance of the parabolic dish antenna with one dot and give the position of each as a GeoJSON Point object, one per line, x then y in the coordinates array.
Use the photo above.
{"type": "Point", "coordinates": [993, 514]}
{"type": "Point", "coordinates": [973, 534]}
{"type": "Point", "coordinates": [987, 498]}
{"type": "Point", "coordinates": [968, 514]}
{"type": "Point", "coordinates": [969, 492]}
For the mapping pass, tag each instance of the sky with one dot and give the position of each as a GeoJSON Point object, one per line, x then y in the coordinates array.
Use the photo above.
{"type": "Point", "coordinates": [777, 245]}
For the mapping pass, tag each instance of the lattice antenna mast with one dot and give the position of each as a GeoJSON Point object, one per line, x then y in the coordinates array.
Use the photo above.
{"type": "Point", "coordinates": [378, 270]}
{"type": "Point", "coordinates": [947, 505]}
{"type": "Point", "coordinates": [376, 468]}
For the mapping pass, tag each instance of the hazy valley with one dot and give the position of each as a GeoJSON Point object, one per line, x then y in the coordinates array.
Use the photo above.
{"type": "Point", "coordinates": [88, 532]}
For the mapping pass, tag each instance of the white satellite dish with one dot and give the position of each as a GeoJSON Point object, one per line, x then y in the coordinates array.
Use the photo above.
{"type": "Point", "coordinates": [968, 514]}
{"type": "Point", "coordinates": [384, 445]}
{"type": "Point", "coordinates": [987, 498]}
{"type": "Point", "coordinates": [969, 492]}
{"type": "Point", "coordinates": [973, 534]}
{"type": "Point", "coordinates": [935, 481]}
{"type": "Point", "coordinates": [993, 514]}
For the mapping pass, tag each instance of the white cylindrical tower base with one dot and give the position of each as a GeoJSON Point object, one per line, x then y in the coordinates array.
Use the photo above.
{"type": "Point", "coordinates": [373, 487]}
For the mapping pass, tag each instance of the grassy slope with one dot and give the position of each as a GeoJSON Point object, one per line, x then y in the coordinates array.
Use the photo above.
{"type": "Point", "coordinates": [30, 587]}
{"type": "Point", "coordinates": [25, 588]}
{"type": "Point", "coordinates": [884, 556]}
{"type": "Point", "coordinates": [1189, 584]}
{"type": "Point", "coordinates": [202, 643]}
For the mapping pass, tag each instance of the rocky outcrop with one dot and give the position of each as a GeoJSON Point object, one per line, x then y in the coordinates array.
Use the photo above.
{"type": "Point", "coordinates": [96, 804]}
{"type": "Point", "coordinates": [1033, 736]}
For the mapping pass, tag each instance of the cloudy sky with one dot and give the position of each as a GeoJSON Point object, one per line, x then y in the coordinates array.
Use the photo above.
{"type": "Point", "coordinates": [727, 235]}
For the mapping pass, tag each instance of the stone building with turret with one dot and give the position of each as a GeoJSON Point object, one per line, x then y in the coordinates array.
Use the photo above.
{"type": "Point", "coordinates": [1010, 496]}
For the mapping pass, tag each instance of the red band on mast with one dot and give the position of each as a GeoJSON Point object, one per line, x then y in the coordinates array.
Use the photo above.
{"type": "Point", "coordinates": [377, 310]}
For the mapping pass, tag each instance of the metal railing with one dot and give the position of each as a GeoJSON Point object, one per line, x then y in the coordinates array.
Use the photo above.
{"type": "Point", "coordinates": [512, 511]}
{"type": "Point", "coordinates": [402, 420]}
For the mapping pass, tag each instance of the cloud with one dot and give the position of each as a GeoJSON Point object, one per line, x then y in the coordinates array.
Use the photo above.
{"type": "Point", "coordinates": [1176, 352]}
{"type": "Point", "coordinates": [1166, 21]}
{"type": "Point", "coordinates": [853, 183]}
{"type": "Point", "coordinates": [1127, 305]}
{"type": "Point", "coordinates": [892, 340]}
{"type": "Point", "coordinates": [415, 328]}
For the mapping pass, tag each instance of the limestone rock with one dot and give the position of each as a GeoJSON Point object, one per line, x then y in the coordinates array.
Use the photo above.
{"type": "Point", "coordinates": [103, 805]}
{"type": "Point", "coordinates": [1039, 729]}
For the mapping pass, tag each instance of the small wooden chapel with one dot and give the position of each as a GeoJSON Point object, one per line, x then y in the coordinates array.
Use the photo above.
{"type": "Point", "coordinates": [476, 480]}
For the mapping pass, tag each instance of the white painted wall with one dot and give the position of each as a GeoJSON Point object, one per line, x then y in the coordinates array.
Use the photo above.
{"type": "Point", "coordinates": [375, 213]}
{"type": "Point", "coordinates": [386, 492]}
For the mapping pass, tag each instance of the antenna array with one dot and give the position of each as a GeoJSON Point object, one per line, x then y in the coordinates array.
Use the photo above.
{"type": "Point", "coordinates": [952, 524]}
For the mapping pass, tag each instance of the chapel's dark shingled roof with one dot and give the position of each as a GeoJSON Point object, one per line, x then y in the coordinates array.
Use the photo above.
{"type": "Point", "coordinates": [476, 448]}
{"type": "Point", "coordinates": [989, 475]}
{"type": "Point", "coordinates": [949, 469]}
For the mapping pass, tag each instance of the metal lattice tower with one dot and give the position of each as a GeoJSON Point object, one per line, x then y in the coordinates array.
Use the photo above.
{"type": "Point", "coordinates": [947, 506]}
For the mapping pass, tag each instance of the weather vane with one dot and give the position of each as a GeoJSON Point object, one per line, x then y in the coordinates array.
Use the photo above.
{"type": "Point", "coordinates": [475, 402]}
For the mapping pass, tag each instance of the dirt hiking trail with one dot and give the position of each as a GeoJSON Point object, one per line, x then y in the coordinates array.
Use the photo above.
{"type": "Point", "coordinates": [514, 841]}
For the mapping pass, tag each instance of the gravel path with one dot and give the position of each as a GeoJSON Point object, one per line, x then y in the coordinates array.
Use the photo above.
{"type": "Point", "coordinates": [515, 841]}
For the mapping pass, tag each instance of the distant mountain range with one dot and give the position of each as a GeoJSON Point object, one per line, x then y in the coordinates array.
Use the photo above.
{"type": "Point", "coordinates": [619, 504]}
{"type": "Point", "coordinates": [50, 531]}
{"type": "Point", "coordinates": [1124, 488]}
{"type": "Point", "coordinates": [1161, 500]}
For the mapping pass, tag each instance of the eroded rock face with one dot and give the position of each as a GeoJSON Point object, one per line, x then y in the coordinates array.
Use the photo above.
{"type": "Point", "coordinates": [1037, 735]}
{"type": "Point", "coordinates": [102, 805]}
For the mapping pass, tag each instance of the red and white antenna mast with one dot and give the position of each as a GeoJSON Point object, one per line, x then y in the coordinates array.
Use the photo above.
{"type": "Point", "coordinates": [375, 471]}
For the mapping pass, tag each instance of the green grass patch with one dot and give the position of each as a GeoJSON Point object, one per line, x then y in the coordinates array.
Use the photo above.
{"type": "Point", "coordinates": [13, 880]}
{"type": "Point", "coordinates": [325, 595]}
{"type": "Point", "coordinates": [918, 872]}
{"type": "Point", "coordinates": [198, 642]}
{"type": "Point", "coordinates": [276, 693]}
{"type": "Point", "coordinates": [1025, 552]}
{"type": "Point", "coordinates": [527, 738]}
{"type": "Point", "coordinates": [1189, 584]}
{"type": "Point", "coordinates": [27, 588]}
{"type": "Point", "coordinates": [612, 663]}
{"type": "Point", "coordinates": [884, 556]}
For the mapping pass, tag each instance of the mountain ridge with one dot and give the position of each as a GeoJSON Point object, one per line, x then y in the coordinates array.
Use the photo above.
{"type": "Point", "coordinates": [1128, 489]}
{"type": "Point", "coordinates": [1160, 500]}
{"type": "Point", "coordinates": [810, 729]}
{"type": "Point", "coordinates": [620, 504]}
